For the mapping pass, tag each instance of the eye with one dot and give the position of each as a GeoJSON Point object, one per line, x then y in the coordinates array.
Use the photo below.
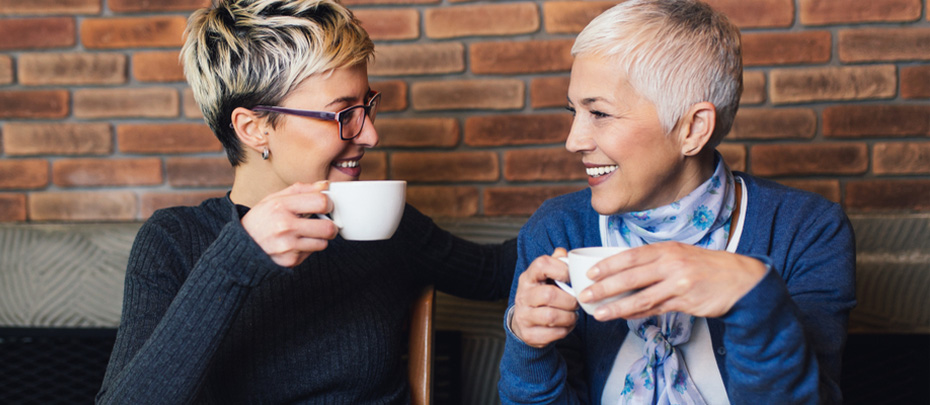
{"type": "Point", "coordinates": [598, 114]}
{"type": "Point", "coordinates": [570, 109]}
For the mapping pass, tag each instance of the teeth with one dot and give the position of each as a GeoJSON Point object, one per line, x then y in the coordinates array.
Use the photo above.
{"type": "Point", "coordinates": [347, 163]}
{"type": "Point", "coordinates": [600, 170]}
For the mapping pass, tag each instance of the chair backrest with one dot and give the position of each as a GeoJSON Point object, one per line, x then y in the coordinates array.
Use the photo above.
{"type": "Point", "coordinates": [420, 366]}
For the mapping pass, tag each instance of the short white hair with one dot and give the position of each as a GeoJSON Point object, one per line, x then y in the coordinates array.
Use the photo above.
{"type": "Point", "coordinates": [675, 53]}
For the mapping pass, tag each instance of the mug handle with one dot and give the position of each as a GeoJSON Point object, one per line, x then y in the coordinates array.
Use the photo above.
{"type": "Point", "coordinates": [565, 287]}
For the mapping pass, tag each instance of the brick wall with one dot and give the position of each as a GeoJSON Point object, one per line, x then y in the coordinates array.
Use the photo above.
{"type": "Point", "coordinates": [98, 123]}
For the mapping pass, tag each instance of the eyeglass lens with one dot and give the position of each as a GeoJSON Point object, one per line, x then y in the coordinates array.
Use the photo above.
{"type": "Point", "coordinates": [353, 119]}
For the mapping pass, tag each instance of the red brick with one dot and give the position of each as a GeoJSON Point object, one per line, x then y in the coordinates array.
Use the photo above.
{"type": "Point", "coordinates": [131, 6]}
{"type": "Point", "coordinates": [21, 174]}
{"type": "Point", "coordinates": [829, 189]}
{"type": "Point", "coordinates": [888, 195]}
{"type": "Point", "coordinates": [734, 155]}
{"type": "Point", "coordinates": [774, 123]}
{"type": "Point", "coordinates": [34, 103]}
{"type": "Point", "coordinates": [158, 200]}
{"type": "Point", "coordinates": [450, 202]}
{"type": "Point", "coordinates": [570, 17]}
{"type": "Point", "coordinates": [488, 94]}
{"type": "Point", "coordinates": [157, 66]}
{"type": "Point", "coordinates": [753, 87]}
{"type": "Point", "coordinates": [901, 158]}
{"type": "Point", "coordinates": [107, 172]}
{"type": "Point", "coordinates": [6, 69]}
{"type": "Point", "coordinates": [191, 109]}
{"type": "Point", "coordinates": [884, 44]}
{"type": "Point", "coordinates": [818, 12]}
{"type": "Point", "coordinates": [374, 166]}
{"type": "Point", "coordinates": [521, 56]}
{"type": "Point", "coordinates": [418, 59]}
{"type": "Point", "coordinates": [30, 139]}
{"type": "Point", "coordinates": [549, 91]}
{"type": "Point", "coordinates": [36, 33]}
{"type": "Point", "coordinates": [393, 94]}
{"type": "Point", "coordinates": [49, 7]}
{"type": "Point", "coordinates": [518, 129]}
{"type": "Point", "coordinates": [805, 159]}
{"type": "Point", "coordinates": [482, 20]}
{"type": "Point", "coordinates": [152, 102]}
{"type": "Point", "coordinates": [757, 13]}
{"type": "Point", "coordinates": [520, 201]}
{"type": "Point", "coordinates": [361, 2]}
{"type": "Point", "coordinates": [83, 206]}
{"type": "Point", "coordinates": [12, 207]}
{"type": "Point", "coordinates": [418, 132]}
{"type": "Point", "coordinates": [42, 69]}
{"type": "Point", "coordinates": [390, 24]}
{"type": "Point", "coordinates": [446, 166]}
{"type": "Point", "coordinates": [133, 32]}
{"type": "Point", "coordinates": [166, 138]}
{"type": "Point", "coordinates": [549, 164]}
{"type": "Point", "coordinates": [199, 172]}
{"type": "Point", "coordinates": [915, 82]}
{"type": "Point", "coordinates": [833, 83]}
{"type": "Point", "coordinates": [876, 120]}
{"type": "Point", "coordinates": [786, 48]}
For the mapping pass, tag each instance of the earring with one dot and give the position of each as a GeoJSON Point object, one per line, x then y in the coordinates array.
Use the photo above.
{"type": "Point", "coordinates": [265, 153]}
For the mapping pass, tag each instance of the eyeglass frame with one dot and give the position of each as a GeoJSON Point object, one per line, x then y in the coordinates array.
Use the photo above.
{"type": "Point", "coordinates": [373, 101]}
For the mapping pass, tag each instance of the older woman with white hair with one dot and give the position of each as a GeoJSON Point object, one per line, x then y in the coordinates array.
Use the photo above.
{"type": "Point", "coordinates": [250, 298]}
{"type": "Point", "coordinates": [741, 287]}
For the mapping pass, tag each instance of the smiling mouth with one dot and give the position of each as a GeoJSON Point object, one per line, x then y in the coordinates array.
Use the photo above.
{"type": "Point", "coordinates": [348, 164]}
{"type": "Point", "coordinates": [599, 171]}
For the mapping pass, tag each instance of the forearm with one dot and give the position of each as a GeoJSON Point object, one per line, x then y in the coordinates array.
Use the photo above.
{"type": "Point", "coordinates": [167, 340]}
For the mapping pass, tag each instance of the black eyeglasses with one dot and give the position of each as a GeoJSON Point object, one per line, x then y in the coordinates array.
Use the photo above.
{"type": "Point", "coordinates": [351, 120]}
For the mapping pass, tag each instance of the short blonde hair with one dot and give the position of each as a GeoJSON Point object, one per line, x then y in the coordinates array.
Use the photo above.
{"type": "Point", "coordinates": [676, 53]}
{"type": "Point", "coordinates": [242, 53]}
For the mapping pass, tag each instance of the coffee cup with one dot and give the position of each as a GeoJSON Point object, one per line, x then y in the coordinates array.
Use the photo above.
{"type": "Point", "coordinates": [579, 262]}
{"type": "Point", "coordinates": [367, 210]}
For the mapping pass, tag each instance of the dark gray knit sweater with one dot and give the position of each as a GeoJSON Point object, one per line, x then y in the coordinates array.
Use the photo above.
{"type": "Point", "coordinates": [209, 318]}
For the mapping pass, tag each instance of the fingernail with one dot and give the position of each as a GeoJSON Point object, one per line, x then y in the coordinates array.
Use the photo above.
{"type": "Point", "coordinates": [600, 313]}
{"type": "Point", "coordinates": [594, 272]}
{"type": "Point", "coordinates": [586, 296]}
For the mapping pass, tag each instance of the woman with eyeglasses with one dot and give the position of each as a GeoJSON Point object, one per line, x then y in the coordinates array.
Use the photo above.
{"type": "Point", "coordinates": [250, 298]}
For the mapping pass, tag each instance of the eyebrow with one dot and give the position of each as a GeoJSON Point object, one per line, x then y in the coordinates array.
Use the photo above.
{"type": "Point", "coordinates": [347, 99]}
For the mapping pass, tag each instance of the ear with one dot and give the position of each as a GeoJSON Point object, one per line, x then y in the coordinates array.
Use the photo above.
{"type": "Point", "coordinates": [696, 128]}
{"type": "Point", "coordinates": [249, 129]}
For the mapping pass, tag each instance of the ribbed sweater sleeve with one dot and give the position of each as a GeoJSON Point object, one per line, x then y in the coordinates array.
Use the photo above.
{"type": "Point", "coordinates": [171, 328]}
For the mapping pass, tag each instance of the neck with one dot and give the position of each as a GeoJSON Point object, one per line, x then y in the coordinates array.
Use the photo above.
{"type": "Point", "coordinates": [253, 182]}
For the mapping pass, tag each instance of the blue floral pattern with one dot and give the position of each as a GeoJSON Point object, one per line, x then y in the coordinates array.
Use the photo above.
{"type": "Point", "coordinates": [702, 218]}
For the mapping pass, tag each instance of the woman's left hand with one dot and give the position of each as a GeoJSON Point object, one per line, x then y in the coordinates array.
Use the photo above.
{"type": "Point", "coordinates": [671, 276]}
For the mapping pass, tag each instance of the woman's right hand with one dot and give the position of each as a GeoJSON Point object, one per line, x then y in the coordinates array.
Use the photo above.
{"type": "Point", "coordinates": [542, 312]}
{"type": "Point", "coordinates": [283, 224]}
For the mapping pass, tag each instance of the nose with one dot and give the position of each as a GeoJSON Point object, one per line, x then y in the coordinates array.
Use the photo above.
{"type": "Point", "coordinates": [369, 136]}
{"type": "Point", "coordinates": [579, 138]}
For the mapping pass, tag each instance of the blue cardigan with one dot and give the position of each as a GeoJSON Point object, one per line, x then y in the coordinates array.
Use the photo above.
{"type": "Point", "coordinates": [782, 342]}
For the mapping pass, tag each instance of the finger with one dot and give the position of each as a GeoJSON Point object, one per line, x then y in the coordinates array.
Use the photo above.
{"type": "Point", "coordinates": [559, 252]}
{"type": "Point", "coordinates": [631, 279]}
{"type": "Point", "coordinates": [647, 302]}
{"type": "Point", "coordinates": [624, 260]}
{"type": "Point", "coordinates": [548, 295]}
{"type": "Point", "coordinates": [545, 268]}
{"type": "Point", "coordinates": [547, 317]}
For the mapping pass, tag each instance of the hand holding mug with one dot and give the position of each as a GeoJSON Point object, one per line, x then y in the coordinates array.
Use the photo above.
{"type": "Point", "coordinates": [543, 313]}
{"type": "Point", "coordinates": [280, 226]}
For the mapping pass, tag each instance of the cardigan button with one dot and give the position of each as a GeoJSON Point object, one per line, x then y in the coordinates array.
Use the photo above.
{"type": "Point", "coordinates": [722, 351]}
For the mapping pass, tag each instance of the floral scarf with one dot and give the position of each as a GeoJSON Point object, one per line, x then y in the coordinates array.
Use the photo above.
{"type": "Point", "coordinates": [702, 218]}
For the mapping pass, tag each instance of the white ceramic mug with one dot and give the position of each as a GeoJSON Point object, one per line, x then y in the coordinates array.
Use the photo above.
{"type": "Point", "coordinates": [367, 210]}
{"type": "Point", "coordinates": [579, 262]}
